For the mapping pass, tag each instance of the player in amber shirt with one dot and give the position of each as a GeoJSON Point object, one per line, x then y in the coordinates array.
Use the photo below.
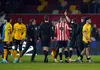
{"type": "Point", "coordinates": [86, 31]}
{"type": "Point", "coordinates": [19, 34]}
{"type": "Point", "coordinates": [7, 40]}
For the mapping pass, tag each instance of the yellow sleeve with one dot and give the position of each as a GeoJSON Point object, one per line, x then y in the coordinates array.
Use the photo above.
{"type": "Point", "coordinates": [9, 27]}
{"type": "Point", "coordinates": [84, 28]}
{"type": "Point", "coordinates": [14, 29]}
{"type": "Point", "coordinates": [24, 32]}
{"type": "Point", "coordinates": [9, 31]}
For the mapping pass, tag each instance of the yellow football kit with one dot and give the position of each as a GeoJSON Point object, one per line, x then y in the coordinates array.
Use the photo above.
{"type": "Point", "coordinates": [87, 29]}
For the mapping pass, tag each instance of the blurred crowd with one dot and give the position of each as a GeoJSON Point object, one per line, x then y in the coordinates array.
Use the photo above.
{"type": "Point", "coordinates": [50, 6]}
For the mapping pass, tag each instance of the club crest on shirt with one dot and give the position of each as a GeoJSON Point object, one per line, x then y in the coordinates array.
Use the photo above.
{"type": "Point", "coordinates": [61, 28]}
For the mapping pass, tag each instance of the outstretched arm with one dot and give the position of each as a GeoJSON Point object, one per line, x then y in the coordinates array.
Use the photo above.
{"type": "Point", "coordinates": [66, 15]}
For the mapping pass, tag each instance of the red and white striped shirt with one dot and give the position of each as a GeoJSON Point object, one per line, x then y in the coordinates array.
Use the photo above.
{"type": "Point", "coordinates": [62, 32]}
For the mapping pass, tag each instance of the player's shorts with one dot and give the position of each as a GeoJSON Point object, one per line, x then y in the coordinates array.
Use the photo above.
{"type": "Point", "coordinates": [32, 43]}
{"type": "Point", "coordinates": [86, 45]}
{"type": "Point", "coordinates": [73, 44]}
{"type": "Point", "coordinates": [17, 42]}
{"type": "Point", "coordinates": [61, 44]}
{"type": "Point", "coordinates": [7, 45]}
{"type": "Point", "coordinates": [45, 42]}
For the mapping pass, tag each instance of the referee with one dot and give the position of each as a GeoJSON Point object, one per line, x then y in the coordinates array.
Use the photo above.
{"type": "Point", "coordinates": [46, 34]}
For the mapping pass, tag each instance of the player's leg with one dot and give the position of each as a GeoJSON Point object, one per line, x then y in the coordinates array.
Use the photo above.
{"type": "Point", "coordinates": [28, 44]}
{"type": "Point", "coordinates": [45, 50]}
{"type": "Point", "coordinates": [5, 53]}
{"type": "Point", "coordinates": [72, 42]}
{"type": "Point", "coordinates": [80, 57]}
{"type": "Point", "coordinates": [57, 52]}
{"type": "Point", "coordinates": [16, 46]}
{"type": "Point", "coordinates": [88, 54]}
{"type": "Point", "coordinates": [20, 51]}
{"type": "Point", "coordinates": [60, 45]}
{"type": "Point", "coordinates": [66, 54]}
{"type": "Point", "coordinates": [45, 45]}
{"type": "Point", "coordinates": [33, 53]}
{"type": "Point", "coordinates": [13, 53]}
{"type": "Point", "coordinates": [78, 52]}
{"type": "Point", "coordinates": [70, 52]}
{"type": "Point", "coordinates": [33, 43]}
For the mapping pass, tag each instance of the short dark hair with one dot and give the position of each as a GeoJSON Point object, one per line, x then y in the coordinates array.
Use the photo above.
{"type": "Point", "coordinates": [63, 17]}
{"type": "Point", "coordinates": [46, 18]}
{"type": "Point", "coordinates": [19, 19]}
{"type": "Point", "coordinates": [73, 20]}
{"type": "Point", "coordinates": [32, 20]}
{"type": "Point", "coordinates": [87, 18]}
{"type": "Point", "coordinates": [8, 19]}
{"type": "Point", "coordinates": [83, 18]}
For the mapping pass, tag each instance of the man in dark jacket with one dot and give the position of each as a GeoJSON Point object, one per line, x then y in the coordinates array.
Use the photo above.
{"type": "Point", "coordinates": [79, 37]}
{"type": "Point", "coordinates": [79, 32]}
{"type": "Point", "coordinates": [32, 36]}
{"type": "Point", "coordinates": [73, 42]}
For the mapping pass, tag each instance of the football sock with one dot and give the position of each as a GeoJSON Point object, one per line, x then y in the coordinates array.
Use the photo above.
{"type": "Point", "coordinates": [45, 53]}
{"type": "Point", "coordinates": [70, 53]}
{"type": "Point", "coordinates": [12, 52]}
{"type": "Point", "coordinates": [15, 53]}
{"type": "Point", "coordinates": [20, 55]}
{"type": "Point", "coordinates": [88, 58]}
{"type": "Point", "coordinates": [78, 53]}
{"type": "Point", "coordinates": [66, 54]}
{"type": "Point", "coordinates": [5, 54]}
{"type": "Point", "coordinates": [33, 54]}
{"type": "Point", "coordinates": [60, 55]}
{"type": "Point", "coordinates": [57, 51]}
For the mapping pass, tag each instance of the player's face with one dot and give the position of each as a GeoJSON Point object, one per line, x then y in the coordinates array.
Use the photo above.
{"type": "Point", "coordinates": [34, 22]}
{"type": "Point", "coordinates": [89, 20]}
{"type": "Point", "coordinates": [94, 25]}
{"type": "Point", "coordinates": [82, 20]}
{"type": "Point", "coordinates": [10, 20]}
{"type": "Point", "coordinates": [60, 19]}
{"type": "Point", "coordinates": [4, 21]}
{"type": "Point", "coordinates": [20, 21]}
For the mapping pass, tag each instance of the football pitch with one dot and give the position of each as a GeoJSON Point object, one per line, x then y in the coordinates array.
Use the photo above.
{"type": "Point", "coordinates": [40, 65]}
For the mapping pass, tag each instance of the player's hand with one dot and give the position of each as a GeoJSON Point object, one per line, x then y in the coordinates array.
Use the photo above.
{"type": "Point", "coordinates": [8, 42]}
{"type": "Point", "coordinates": [65, 13]}
{"type": "Point", "coordinates": [55, 38]}
{"type": "Point", "coordinates": [68, 40]}
{"type": "Point", "coordinates": [38, 41]}
{"type": "Point", "coordinates": [90, 40]}
{"type": "Point", "coordinates": [22, 38]}
{"type": "Point", "coordinates": [30, 39]}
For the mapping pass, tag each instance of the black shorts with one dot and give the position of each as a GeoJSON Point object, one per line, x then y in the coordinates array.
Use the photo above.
{"type": "Point", "coordinates": [73, 43]}
{"type": "Point", "coordinates": [86, 45]}
{"type": "Point", "coordinates": [17, 42]}
{"type": "Point", "coordinates": [61, 44]}
{"type": "Point", "coordinates": [31, 43]}
{"type": "Point", "coordinates": [45, 42]}
{"type": "Point", "coordinates": [7, 45]}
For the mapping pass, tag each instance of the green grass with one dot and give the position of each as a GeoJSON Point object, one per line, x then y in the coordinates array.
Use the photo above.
{"type": "Point", "coordinates": [40, 65]}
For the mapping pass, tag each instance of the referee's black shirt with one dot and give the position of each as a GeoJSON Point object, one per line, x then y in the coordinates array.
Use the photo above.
{"type": "Point", "coordinates": [46, 30]}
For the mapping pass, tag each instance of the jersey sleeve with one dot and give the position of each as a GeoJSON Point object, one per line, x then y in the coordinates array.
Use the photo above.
{"type": "Point", "coordinates": [24, 32]}
{"type": "Point", "coordinates": [14, 29]}
{"type": "Point", "coordinates": [84, 28]}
